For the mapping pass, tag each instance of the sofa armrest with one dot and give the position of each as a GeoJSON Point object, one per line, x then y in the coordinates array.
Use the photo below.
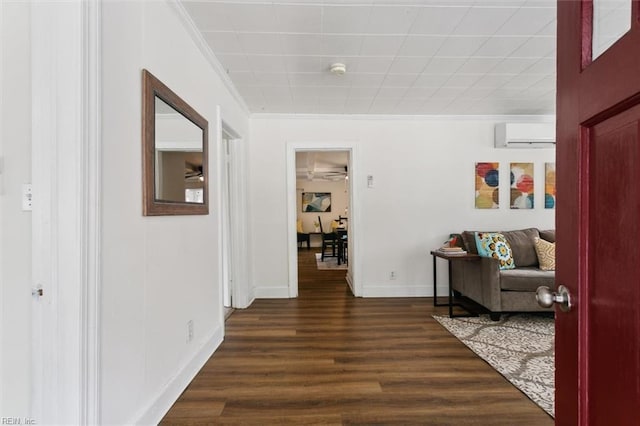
{"type": "Point", "coordinates": [490, 282]}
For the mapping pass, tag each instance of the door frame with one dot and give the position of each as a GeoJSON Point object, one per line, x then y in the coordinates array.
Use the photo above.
{"type": "Point", "coordinates": [240, 293]}
{"type": "Point", "coordinates": [66, 177]}
{"type": "Point", "coordinates": [353, 273]}
{"type": "Point", "coordinates": [230, 215]}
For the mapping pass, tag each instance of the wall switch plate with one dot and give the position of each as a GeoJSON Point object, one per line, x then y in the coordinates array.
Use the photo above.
{"type": "Point", "coordinates": [392, 275]}
{"type": "Point", "coordinates": [27, 197]}
{"type": "Point", "coordinates": [369, 181]}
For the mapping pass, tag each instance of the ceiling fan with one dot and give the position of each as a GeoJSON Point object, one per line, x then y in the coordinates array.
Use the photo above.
{"type": "Point", "coordinates": [193, 172]}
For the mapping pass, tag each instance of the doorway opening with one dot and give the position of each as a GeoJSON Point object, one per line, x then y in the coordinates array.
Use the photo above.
{"type": "Point", "coordinates": [321, 210]}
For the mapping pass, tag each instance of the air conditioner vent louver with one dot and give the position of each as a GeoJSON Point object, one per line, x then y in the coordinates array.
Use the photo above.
{"type": "Point", "coordinates": [525, 135]}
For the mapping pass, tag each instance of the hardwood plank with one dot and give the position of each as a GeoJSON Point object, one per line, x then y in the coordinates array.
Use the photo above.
{"type": "Point", "coordinates": [329, 358]}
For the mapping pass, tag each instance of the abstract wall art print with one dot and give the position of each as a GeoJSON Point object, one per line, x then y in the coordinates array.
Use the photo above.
{"type": "Point", "coordinates": [487, 185]}
{"type": "Point", "coordinates": [549, 185]}
{"type": "Point", "coordinates": [316, 202]}
{"type": "Point", "coordinates": [522, 185]}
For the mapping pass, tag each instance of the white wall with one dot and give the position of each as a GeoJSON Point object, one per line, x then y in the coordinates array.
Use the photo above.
{"type": "Point", "coordinates": [339, 201]}
{"type": "Point", "coordinates": [15, 225]}
{"type": "Point", "coordinates": [423, 190]}
{"type": "Point", "coordinates": [158, 272]}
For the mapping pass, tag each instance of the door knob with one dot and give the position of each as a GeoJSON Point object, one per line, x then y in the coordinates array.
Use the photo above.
{"type": "Point", "coordinates": [546, 298]}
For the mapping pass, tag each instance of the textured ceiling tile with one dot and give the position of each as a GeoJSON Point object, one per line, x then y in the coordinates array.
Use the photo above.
{"type": "Point", "coordinates": [347, 45]}
{"type": "Point", "coordinates": [431, 80]}
{"type": "Point", "coordinates": [484, 20]}
{"type": "Point", "coordinates": [444, 65]}
{"type": "Point", "coordinates": [363, 92]}
{"type": "Point", "coordinates": [461, 46]}
{"type": "Point", "coordinates": [438, 20]}
{"type": "Point", "coordinates": [298, 18]}
{"type": "Point", "coordinates": [209, 16]}
{"type": "Point", "coordinates": [224, 42]}
{"type": "Point", "coordinates": [478, 65]}
{"type": "Point", "coordinates": [252, 17]}
{"type": "Point", "coordinates": [345, 19]}
{"type": "Point", "coordinates": [528, 21]}
{"type": "Point", "coordinates": [236, 62]}
{"type": "Point", "coordinates": [264, 63]}
{"type": "Point", "coordinates": [304, 63]}
{"type": "Point", "coordinates": [399, 80]}
{"type": "Point", "coordinates": [254, 43]}
{"type": "Point", "coordinates": [463, 80]}
{"type": "Point", "coordinates": [536, 47]}
{"type": "Point", "coordinates": [422, 46]}
{"type": "Point", "coordinates": [456, 56]}
{"type": "Point", "coordinates": [514, 65]}
{"type": "Point", "coordinates": [391, 19]}
{"type": "Point", "coordinates": [500, 46]}
{"type": "Point", "coordinates": [371, 64]}
{"type": "Point", "coordinates": [271, 79]}
{"type": "Point", "coordinates": [387, 45]}
{"type": "Point", "coordinates": [402, 65]}
{"type": "Point", "coordinates": [301, 44]}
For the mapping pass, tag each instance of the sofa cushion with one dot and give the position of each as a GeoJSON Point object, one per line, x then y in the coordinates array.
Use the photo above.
{"type": "Point", "coordinates": [469, 239]}
{"type": "Point", "coordinates": [526, 279]}
{"type": "Point", "coordinates": [546, 252]}
{"type": "Point", "coordinates": [494, 245]}
{"type": "Point", "coordinates": [522, 246]}
{"type": "Point", "coordinates": [548, 235]}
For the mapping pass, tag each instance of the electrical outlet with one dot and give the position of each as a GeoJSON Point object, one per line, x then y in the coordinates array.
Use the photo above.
{"type": "Point", "coordinates": [189, 331]}
{"type": "Point", "coordinates": [392, 275]}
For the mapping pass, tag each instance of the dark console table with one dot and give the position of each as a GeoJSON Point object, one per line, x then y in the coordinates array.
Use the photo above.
{"type": "Point", "coordinates": [450, 258]}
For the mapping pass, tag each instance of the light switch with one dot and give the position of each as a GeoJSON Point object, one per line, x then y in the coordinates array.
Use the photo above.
{"type": "Point", "coordinates": [27, 197]}
{"type": "Point", "coordinates": [369, 181]}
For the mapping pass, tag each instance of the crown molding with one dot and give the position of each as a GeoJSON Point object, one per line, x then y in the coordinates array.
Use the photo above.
{"type": "Point", "coordinates": [391, 117]}
{"type": "Point", "coordinates": [202, 45]}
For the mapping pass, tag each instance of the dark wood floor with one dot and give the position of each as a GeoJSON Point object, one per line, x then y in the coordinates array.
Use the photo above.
{"type": "Point", "coordinates": [329, 358]}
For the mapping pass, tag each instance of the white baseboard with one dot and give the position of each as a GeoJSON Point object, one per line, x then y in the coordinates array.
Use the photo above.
{"type": "Point", "coordinates": [161, 404]}
{"type": "Point", "coordinates": [271, 292]}
{"type": "Point", "coordinates": [403, 291]}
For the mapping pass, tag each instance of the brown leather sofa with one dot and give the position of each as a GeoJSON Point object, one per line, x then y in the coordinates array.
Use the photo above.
{"type": "Point", "coordinates": [512, 290]}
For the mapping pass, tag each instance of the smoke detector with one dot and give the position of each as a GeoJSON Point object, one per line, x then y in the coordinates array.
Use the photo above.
{"type": "Point", "coordinates": [338, 68]}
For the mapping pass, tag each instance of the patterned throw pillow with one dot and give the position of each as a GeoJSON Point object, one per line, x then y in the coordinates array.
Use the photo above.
{"type": "Point", "coordinates": [493, 244]}
{"type": "Point", "coordinates": [546, 252]}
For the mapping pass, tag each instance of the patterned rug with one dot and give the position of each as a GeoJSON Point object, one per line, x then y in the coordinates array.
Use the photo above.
{"type": "Point", "coordinates": [329, 263]}
{"type": "Point", "coordinates": [519, 346]}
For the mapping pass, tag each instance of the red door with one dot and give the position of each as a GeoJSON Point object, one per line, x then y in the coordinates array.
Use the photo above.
{"type": "Point", "coordinates": [598, 222]}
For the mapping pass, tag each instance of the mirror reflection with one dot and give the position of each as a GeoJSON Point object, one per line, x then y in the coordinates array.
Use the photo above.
{"type": "Point", "coordinates": [175, 174]}
{"type": "Point", "coordinates": [179, 156]}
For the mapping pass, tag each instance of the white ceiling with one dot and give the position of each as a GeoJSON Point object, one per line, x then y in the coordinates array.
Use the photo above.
{"type": "Point", "coordinates": [322, 165]}
{"type": "Point", "coordinates": [403, 57]}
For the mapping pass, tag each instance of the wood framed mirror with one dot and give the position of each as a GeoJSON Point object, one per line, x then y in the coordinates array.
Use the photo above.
{"type": "Point", "coordinates": [175, 171]}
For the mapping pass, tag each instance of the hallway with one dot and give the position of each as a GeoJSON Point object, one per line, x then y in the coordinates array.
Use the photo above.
{"type": "Point", "coordinates": [329, 358]}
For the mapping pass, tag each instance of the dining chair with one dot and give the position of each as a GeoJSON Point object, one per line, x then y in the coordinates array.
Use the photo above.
{"type": "Point", "coordinates": [329, 241]}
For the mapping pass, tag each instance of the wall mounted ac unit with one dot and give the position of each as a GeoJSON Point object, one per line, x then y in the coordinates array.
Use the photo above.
{"type": "Point", "coordinates": [525, 135]}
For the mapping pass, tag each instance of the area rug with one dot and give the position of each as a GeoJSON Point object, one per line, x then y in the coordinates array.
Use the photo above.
{"type": "Point", "coordinates": [519, 346]}
{"type": "Point", "coordinates": [329, 263]}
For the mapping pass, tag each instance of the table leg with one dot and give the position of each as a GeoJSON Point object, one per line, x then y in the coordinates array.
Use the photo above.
{"type": "Point", "coordinates": [450, 293]}
{"type": "Point", "coordinates": [435, 291]}
{"type": "Point", "coordinates": [450, 302]}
